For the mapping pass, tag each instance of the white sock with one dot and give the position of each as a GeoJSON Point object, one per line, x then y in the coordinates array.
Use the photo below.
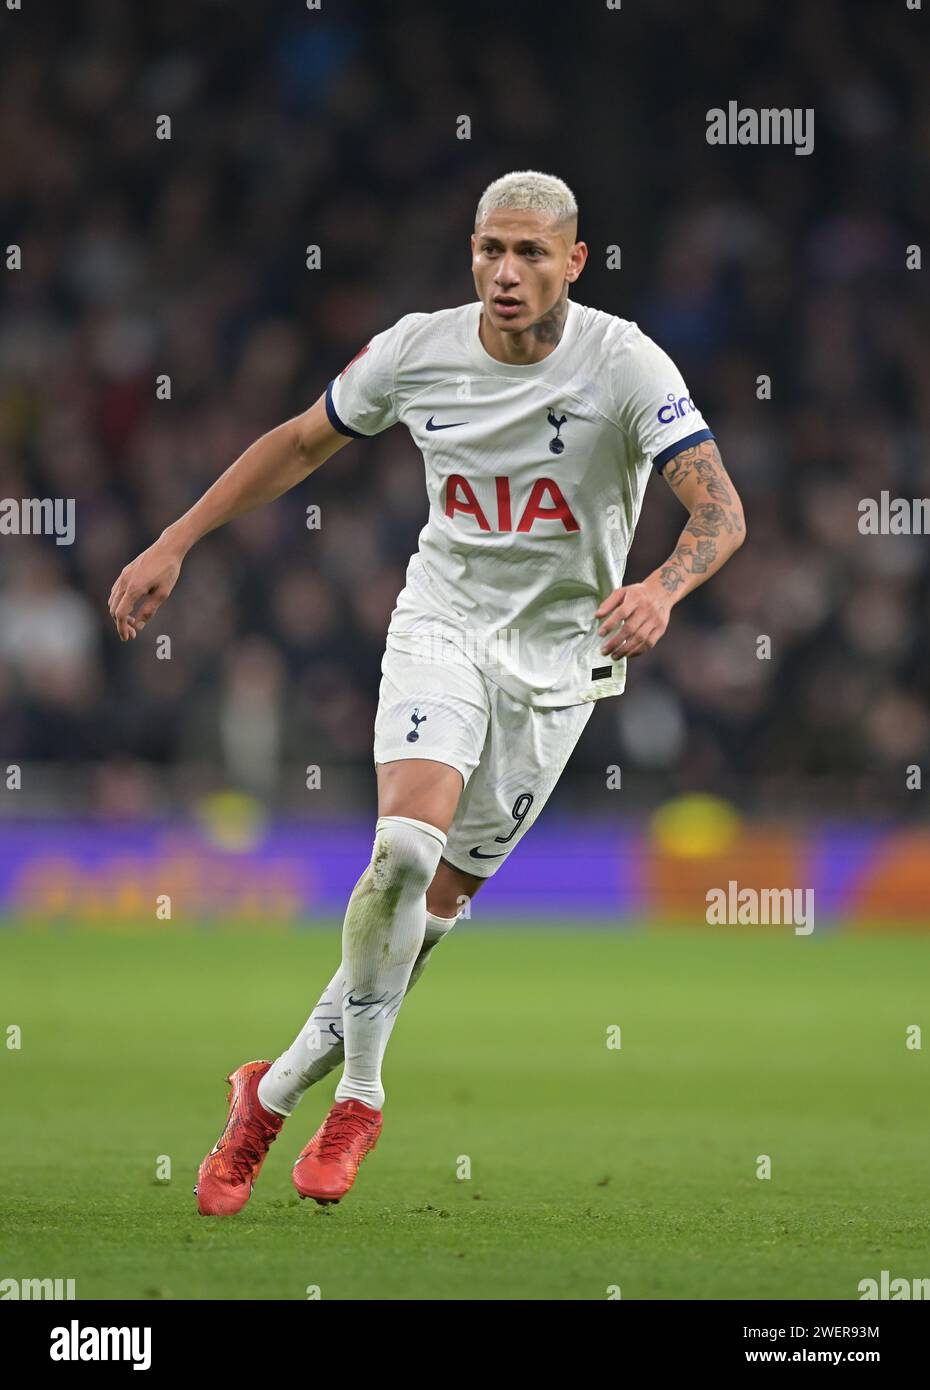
{"type": "Point", "coordinates": [319, 1047]}
{"type": "Point", "coordinates": [381, 938]}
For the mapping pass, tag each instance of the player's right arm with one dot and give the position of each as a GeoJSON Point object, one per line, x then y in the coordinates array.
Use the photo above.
{"type": "Point", "coordinates": [276, 462]}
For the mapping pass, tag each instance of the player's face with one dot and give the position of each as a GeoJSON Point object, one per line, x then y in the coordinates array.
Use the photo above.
{"type": "Point", "coordinates": [521, 262]}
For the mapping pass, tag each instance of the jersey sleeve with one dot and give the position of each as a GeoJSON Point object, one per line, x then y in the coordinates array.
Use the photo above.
{"type": "Point", "coordinates": [362, 400]}
{"type": "Point", "coordinates": [655, 408]}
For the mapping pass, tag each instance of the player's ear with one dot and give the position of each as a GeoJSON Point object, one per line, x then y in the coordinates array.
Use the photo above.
{"type": "Point", "coordinates": [577, 263]}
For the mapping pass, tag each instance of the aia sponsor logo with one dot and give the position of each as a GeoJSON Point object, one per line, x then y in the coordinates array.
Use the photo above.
{"type": "Point", "coordinates": [544, 503]}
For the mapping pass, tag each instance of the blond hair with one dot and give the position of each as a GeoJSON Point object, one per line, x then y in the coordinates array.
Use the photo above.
{"type": "Point", "coordinates": [527, 190]}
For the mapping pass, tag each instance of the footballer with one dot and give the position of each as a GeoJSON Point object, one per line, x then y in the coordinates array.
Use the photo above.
{"type": "Point", "coordinates": [539, 421]}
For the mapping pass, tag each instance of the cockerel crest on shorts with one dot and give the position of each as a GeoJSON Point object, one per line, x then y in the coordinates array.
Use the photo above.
{"type": "Point", "coordinates": [418, 719]}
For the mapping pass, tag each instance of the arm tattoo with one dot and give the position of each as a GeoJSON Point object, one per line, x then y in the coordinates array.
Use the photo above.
{"type": "Point", "coordinates": [714, 513]}
{"type": "Point", "coordinates": [671, 578]}
{"type": "Point", "coordinates": [704, 461]}
{"type": "Point", "coordinates": [708, 519]}
{"type": "Point", "coordinates": [704, 558]}
{"type": "Point", "coordinates": [687, 560]}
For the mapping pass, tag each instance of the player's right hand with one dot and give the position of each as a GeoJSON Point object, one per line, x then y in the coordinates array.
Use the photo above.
{"type": "Point", "coordinates": [148, 580]}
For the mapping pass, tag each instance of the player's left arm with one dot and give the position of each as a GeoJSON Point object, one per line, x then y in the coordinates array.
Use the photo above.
{"type": "Point", "coordinates": [636, 615]}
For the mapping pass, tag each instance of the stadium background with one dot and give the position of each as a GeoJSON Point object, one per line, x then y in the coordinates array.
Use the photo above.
{"type": "Point", "coordinates": [187, 257]}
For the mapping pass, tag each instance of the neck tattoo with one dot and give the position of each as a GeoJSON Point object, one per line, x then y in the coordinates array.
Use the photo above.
{"type": "Point", "coordinates": [549, 328]}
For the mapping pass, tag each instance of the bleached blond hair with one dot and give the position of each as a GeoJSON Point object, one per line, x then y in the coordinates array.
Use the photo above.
{"type": "Point", "coordinates": [526, 190]}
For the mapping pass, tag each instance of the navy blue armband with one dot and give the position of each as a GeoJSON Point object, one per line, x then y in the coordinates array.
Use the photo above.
{"type": "Point", "coordinates": [689, 441]}
{"type": "Point", "coordinates": [333, 416]}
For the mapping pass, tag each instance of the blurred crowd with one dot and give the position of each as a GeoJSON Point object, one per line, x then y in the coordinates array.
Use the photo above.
{"type": "Point", "coordinates": [186, 258]}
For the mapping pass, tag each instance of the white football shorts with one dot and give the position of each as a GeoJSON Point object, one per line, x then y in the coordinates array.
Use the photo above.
{"type": "Point", "coordinates": [434, 702]}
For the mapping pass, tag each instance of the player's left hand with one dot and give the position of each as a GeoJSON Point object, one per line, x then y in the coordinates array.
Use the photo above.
{"type": "Point", "coordinates": [635, 618]}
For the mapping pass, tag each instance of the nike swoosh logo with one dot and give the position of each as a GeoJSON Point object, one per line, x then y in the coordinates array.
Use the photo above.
{"type": "Point", "coordinates": [454, 425]}
{"type": "Point", "coordinates": [476, 854]}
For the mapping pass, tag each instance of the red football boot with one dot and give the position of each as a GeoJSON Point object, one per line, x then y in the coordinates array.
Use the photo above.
{"type": "Point", "coordinates": [327, 1167]}
{"type": "Point", "coordinates": [229, 1171]}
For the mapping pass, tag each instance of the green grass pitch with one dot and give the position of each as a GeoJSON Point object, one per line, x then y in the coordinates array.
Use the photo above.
{"type": "Point", "coordinates": [591, 1167]}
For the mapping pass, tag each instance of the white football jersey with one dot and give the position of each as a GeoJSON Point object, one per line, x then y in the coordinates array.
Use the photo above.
{"type": "Point", "coordinates": [535, 476]}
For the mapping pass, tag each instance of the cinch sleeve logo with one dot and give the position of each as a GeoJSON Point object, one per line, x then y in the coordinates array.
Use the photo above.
{"type": "Point", "coordinates": [683, 405]}
{"type": "Point", "coordinates": [359, 354]}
